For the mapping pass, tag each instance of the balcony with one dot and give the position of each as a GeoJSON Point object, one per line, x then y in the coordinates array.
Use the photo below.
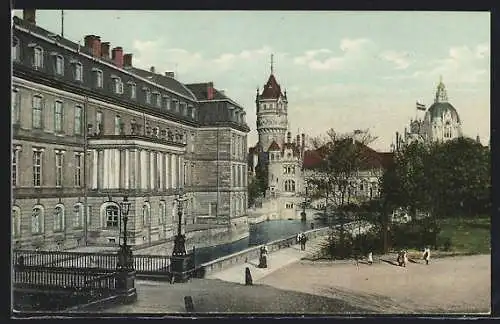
{"type": "Point", "coordinates": [136, 133]}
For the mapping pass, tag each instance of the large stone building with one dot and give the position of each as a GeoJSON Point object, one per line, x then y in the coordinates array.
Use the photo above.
{"type": "Point", "coordinates": [89, 128]}
{"type": "Point", "coordinates": [276, 149]}
{"type": "Point", "coordinates": [441, 121]}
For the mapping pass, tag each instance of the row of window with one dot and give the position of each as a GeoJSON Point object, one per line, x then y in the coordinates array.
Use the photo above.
{"type": "Point", "coordinates": [37, 164]}
{"type": "Point", "coordinates": [111, 219]}
{"type": "Point", "coordinates": [38, 109]}
{"type": "Point", "coordinates": [151, 97]}
{"type": "Point", "coordinates": [59, 219]}
{"type": "Point", "coordinates": [239, 176]}
{"type": "Point", "coordinates": [239, 205]}
{"type": "Point", "coordinates": [289, 186]}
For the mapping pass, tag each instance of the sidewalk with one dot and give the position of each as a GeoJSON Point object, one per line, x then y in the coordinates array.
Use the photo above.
{"type": "Point", "coordinates": [275, 260]}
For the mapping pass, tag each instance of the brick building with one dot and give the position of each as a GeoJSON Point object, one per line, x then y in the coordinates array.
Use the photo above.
{"type": "Point", "coordinates": [89, 128]}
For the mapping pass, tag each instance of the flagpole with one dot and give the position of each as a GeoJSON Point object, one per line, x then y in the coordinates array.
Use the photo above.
{"type": "Point", "coordinates": [62, 23]}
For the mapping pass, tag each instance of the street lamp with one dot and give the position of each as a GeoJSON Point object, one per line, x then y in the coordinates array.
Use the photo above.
{"type": "Point", "coordinates": [180, 259]}
{"type": "Point", "coordinates": [125, 260]}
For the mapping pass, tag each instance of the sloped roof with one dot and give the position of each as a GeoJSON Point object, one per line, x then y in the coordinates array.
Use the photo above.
{"type": "Point", "coordinates": [372, 159]}
{"type": "Point", "coordinates": [272, 89]}
{"type": "Point", "coordinates": [200, 90]}
{"type": "Point", "coordinates": [165, 81]}
{"type": "Point", "coordinates": [274, 147]}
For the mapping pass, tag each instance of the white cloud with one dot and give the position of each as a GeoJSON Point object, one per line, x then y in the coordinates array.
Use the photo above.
{"type": "Point", "coordinates": [353, 51]}
{"type": "Point", "coordinates": [401, 60]}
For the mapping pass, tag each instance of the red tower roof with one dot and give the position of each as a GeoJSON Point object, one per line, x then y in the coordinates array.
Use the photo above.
{"type": "Point", "coordinates": [272, 89]}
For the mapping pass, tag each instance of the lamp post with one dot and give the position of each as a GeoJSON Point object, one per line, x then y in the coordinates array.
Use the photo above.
{"type": "Point", "coordinates": [125, 276]}
{"type": "Point", "coordinates": [125, 260]}
{"type": "Point", "coordinates": [304, 203]}
{"type": "Point", "coordinates": [179, 259]}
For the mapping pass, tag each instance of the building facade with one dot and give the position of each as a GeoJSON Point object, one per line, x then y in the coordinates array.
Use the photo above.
{"type": "Point", "coordinates": [89, 128]}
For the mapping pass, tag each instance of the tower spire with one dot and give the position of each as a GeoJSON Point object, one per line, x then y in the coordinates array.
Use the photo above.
{"type": "Point", "coordinates": [441, 95]}
{"type": "Point", "coordinates": [272, 63]}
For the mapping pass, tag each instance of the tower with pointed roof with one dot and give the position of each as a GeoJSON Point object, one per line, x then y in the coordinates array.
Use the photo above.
{"type": "Point", "coordinates": [272, 112]}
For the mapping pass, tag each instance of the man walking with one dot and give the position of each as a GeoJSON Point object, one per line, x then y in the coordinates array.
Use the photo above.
{"type": "Point", "coordinates": [370, 258]}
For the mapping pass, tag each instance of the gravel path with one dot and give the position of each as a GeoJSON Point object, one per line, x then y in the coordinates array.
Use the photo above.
{"type": "Point", "coordinates": [447, 285]}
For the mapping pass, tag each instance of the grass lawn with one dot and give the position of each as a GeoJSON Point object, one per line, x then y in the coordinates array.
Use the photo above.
{"type": "Point", "coordinates": [468, 235]}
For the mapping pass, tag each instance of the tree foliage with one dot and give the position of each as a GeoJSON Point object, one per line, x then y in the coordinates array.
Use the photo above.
{"type": "Point", "coordinates": [445, 179]}
{"type": "Point", "coordinates": [258, 185]}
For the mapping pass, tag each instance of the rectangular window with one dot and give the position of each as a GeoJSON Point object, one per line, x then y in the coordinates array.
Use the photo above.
{"type": "Point", "coordinates": [148, 96]}
{"type": "Point", "coordinates": [118, 86]}
{"type": "Point", "coordinates": [59, 65]}
{"type": "Point", "coordinates": [193, 113]}
{"type": "Point", "coordinates": [118, 122]}
{"type": "Point", "coordinates": [158, 100]}
{"type": "Point", "coordinates": [15, 106]}
{"type": "Point", "coordinates": [37, 168]}
{"type": "Point", "coordinates": [133, 93]}
{"type": "Point", "coordinates": [15, 49]}
{"type": "Point", "coordinates": [78, 72]}
{"type": "Point", "coordinates": [168, 101]}
{"type": "Point", "coordinates": [98, 122]}
{"type": "Point", "coordinates": [58, 116]}
{"type": "Point", "coordinates": [99, 79]}
{"type": "Point", "coordinates": [89, 215]}
{"type": "Point", "coordinates": [176, 106]}
{"type": "Point", "coordinates": [15, 158]}
{"type": "Point", "coordinates": [59, 168]}
{"type": "Point", "coordinates": [78, 169]}
{"type": "Point", "coordinates": [38, 58]}
{"type": "Point", "coordinates": [37, 112]}
{"type": "Point", "coordinates": [78, 120]}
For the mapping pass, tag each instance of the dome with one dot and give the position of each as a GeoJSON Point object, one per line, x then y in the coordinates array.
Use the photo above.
{"type": "Point", "coordinates": [439, 109]}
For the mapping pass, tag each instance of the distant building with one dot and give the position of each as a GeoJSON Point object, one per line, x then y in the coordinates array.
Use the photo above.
{"type": "Point", "coordinates": [441, 122]}
{"type": "Point", "coordinates": [89, 128]}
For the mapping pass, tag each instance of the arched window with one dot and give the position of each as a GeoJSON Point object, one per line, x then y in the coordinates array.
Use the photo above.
{"type": "Point", "coordinates": [112, 214]}
{"type": "Point", "coordinates": [78, 215]}
{"type": "Point", "coordinates": [290, 186]}
{"type": "Point", "coordinates": [146, 214]}
{"type": "Point", "coordinates": [162, 213]}
{"type": "Point", "coordinates": [16, 221]}
{"type": "Point", "coordinates": [38, 57]}
{"type": "Point", "coordinates": [59, 218]}
{"type": "Point", "coordinates": [37, 219]}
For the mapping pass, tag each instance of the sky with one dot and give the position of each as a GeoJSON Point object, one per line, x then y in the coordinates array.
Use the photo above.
{"type": "Point", "coordinates": [342, 70]}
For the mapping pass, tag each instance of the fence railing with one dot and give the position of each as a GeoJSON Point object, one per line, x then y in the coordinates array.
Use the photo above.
{"type": "Point", "coordinates": [76, 279]}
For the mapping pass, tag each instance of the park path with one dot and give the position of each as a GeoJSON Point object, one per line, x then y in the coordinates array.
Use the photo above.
{"type": "Point", "coordinates": [276, 260]}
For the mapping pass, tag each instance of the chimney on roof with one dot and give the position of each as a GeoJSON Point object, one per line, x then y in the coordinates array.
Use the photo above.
{"type": "Point", "coordinates": [127, 60]}
{"type": "Point", "coordinates": [93, 43]}
{"type": "Point", "coordinates": [289, 137]}
{"type": "Point", "coordinates": [170, 75]}
{"type": "Point", "coordinates": [210, 91]}
{"type": "Point", "coordinates": [105, 50]}
{"type": "Point", "coordinates": [117, 56]}
{"type": "Point", "coordinates": [152, 69]}
{"type": "Point", "coordinates": [29, 15]}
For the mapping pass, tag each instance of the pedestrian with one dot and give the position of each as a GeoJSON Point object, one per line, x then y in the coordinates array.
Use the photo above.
{"type": "Point", "coordinates": [427, 255]}
{"type": "Point", "coordinates": [304, 240]}
{"type": "Point", "coordinates": [248, 277]}
{"type": "Point", "coordinates": [405, 258]}
{"type": "Point", "coordinates": [370, 258]}
{"type": "Point", "coordinates": [298, 238]}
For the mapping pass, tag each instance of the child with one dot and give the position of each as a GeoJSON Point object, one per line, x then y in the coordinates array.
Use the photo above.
{"type": "Point", "coordinates": [427, 255]}
{"type": "Point", "coordinates": [370, 258]}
